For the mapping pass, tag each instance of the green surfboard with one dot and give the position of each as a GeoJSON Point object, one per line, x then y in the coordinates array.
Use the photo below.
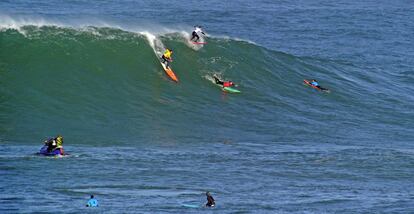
{"type": "Point", "coordinates": [231, 90]}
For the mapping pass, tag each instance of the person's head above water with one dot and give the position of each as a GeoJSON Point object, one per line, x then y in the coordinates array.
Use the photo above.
{"type": "Point", "coordinates": [208, 194]}
{"type": "Point", "coordinates": [92, 196]}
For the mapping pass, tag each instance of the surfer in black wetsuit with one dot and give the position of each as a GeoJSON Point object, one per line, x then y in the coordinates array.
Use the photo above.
{"type": "Point", "coordinates": [210, 200]}
{"type": "Point", "coordinates": [197, 30]}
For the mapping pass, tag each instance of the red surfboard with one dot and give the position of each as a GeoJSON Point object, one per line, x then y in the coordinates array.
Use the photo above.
{"type": "Point", "coordinates": [199, 43]}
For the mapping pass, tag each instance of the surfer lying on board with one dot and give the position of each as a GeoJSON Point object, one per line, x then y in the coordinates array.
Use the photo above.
{"type": "Point", "coordinates": [316, 84]}
{"type": "Point", "coordinates": [197, 30]}
{"type": "Point", "coordinates": [223, 83]}
{"type": "Point", "coordinates": [167, 57]}
{"type": "Point", "coordinates": [210, 200]}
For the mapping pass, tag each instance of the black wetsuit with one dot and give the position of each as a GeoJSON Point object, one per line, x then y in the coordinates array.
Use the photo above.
{"type": "Point", "coordinates": [195, 35]}
{"type": "Point", "coordinates": [322, 89]}
{"type": "Point", "coordinates": [318, 86]}
{"type": "Point", "coordinates": [218, 82]}
{"type": "Point", "coordinates": [210, 201]}
{"type": "Point", "coordinates": [165, 60]}
{"type": "Point", "coordinates": [50, 146]}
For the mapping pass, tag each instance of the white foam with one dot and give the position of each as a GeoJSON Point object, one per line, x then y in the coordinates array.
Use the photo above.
{"type": "Point", "coordinates": [85, 23]}
{"type": "Point", "coordinates": [18, 22]}
{"type": "Point", "coordinates": [7, 22]}
{"type": "Point", "coordinates": [154, 42]}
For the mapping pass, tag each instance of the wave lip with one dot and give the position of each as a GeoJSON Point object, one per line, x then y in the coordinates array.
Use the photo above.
{"type": "Point", "coordinates": [18, 22]}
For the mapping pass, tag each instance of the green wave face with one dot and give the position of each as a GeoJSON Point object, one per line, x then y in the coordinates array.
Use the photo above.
{"type": "Point", "coordinates": [105, 86]}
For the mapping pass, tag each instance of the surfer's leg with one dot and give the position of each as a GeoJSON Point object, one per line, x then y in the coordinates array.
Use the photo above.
{"type": "Point", "coordinates": [165, 61]}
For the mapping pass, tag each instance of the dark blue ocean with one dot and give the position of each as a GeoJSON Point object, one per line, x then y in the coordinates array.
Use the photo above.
{"type": "Point", "coordinates": [141, 143]}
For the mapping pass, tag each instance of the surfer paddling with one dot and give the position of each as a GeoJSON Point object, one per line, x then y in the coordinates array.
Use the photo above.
{"type": "Point", "coordinates": [223, 83]}
{"type": "Point", "coordinates": [226, 86]}
{"type": "Point", "coordinates": [315, 84]}
{"type": "Point", "coordinates": [195, 35]}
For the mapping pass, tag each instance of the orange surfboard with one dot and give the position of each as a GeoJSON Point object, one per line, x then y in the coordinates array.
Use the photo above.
{"type": "Point", "coordinates": [170, 73]}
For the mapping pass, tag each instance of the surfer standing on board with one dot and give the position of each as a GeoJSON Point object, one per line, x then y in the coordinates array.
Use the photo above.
{"type": "Point", "coordinates": [167, 57]}
{"type": "Point", "coordinates": [197, 30]}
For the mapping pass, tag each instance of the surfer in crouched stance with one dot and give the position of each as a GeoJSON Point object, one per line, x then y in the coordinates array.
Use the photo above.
{"type": "Point", "coordinates": [223, 83]}
{"type": "Point", "coordinates": [316, 84]}
{"type": "Point", "coordinates": [196, 31]}
{"type": "Point", "coordinates": [210, 200]}
{"type": "Point", "coordinates": [167, 58]}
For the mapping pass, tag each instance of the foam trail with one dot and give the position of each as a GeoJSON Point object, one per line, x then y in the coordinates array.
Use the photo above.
{"type": "Point", "coordinates": [155, 43]}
